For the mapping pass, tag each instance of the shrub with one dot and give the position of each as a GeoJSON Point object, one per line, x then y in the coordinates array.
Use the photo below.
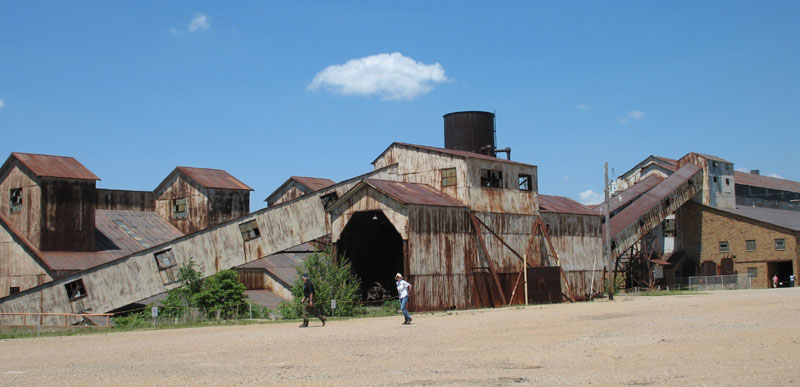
{"type": "Point", "coordinates": [332, 279]}
{"type": "Point", "coordinates": [218, 296]}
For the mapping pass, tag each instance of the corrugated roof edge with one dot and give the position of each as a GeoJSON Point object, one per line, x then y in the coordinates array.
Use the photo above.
{"type": "Point", "coordinates": [89, 175]}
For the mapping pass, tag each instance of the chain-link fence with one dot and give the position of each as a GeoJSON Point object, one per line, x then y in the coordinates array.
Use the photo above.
{"type": "Point", "coordinates": [720, 282]}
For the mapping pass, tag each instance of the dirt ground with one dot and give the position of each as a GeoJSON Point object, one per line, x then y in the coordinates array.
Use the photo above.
{"type": "Point", "coordinates": [743, 337]}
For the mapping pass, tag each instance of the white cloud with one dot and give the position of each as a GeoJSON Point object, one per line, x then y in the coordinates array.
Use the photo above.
{"type": "Point", "coordinates": [2, 103]}
{"type": "Point", "coordinates": [590, 197]}
{"type": "Point", "coordinates": [391, 76]}
{"type": "Point", "coordinates": [584, 107]}
{"type": "Point", "coordinates": [775, 175]}
{"type": "Point", "coordinates": [200, 22]}
{"type": "Point", "coordinates": [632, 115]}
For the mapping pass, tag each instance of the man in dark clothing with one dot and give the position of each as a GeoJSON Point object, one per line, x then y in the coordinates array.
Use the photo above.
{"type": "Point", "coordinates": [308, 300]}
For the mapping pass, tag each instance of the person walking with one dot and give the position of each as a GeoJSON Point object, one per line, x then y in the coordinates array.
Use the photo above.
{"type": "Point", "coordinates": [791, 280]}
{"type": "Point", "coordinates": [308, 300]}
{"type": "Point", "coordinates": [403, 288]}
{"type": "Point", "coordinates": [775, 281]}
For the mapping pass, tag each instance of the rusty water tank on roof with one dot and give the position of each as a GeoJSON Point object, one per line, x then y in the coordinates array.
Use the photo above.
{"type": "Point", "coordinates": [471, 131]}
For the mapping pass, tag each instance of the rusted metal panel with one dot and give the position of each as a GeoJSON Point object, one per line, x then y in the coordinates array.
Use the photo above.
{"type": "Point", "coordinates": [412, 193]}
{"type": "Point", "coordinates": [471, 131]}
{"type": "Point", "coordinates": [544, 285]}
{"type": "Point", "coordinates": [622, 199]}
{"type": "Point", "coordinates": [28, 220]}
{"type": "Point", "coordinates": [578, 241]}
{"type": "Point", "coordinates": [53, 166]}
{"type": "Point", "coordinates": [224, 205]}
{"type": "Point", "coordinates": [114, 199]}
{"type": "Point", "coordinates": [214, 178]}
{"type": "Point", "coordinates": [749, 179]}
{"type": "Point", "coordinates": [560, 204]}
{"type": "Point", "coordinates": [68, 208]}
{"type": "Point", "coordinates": [367, 198]}
{"type": "Point", "coordinates": [137, 276]}
{"type": "Point", "coordinates": [718, 189]}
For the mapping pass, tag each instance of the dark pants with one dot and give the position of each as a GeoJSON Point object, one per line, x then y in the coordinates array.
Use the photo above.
{"type": "Point", "coordinates": [308, 310]}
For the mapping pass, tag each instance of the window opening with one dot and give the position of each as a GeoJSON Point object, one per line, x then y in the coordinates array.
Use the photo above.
{"type": "Point", "coordinates": [75, 289]}
{"type": "Point", "coordinates": [329, 198]}
{"type": "Point", "coordinates": [249, 230]}
{"type": "Point", "coordinates": [448, 177]}
{"type": "Point", "coordinates": [750, 245]}
{"type": "Point", "coordinates": [525, 182]}
{"type": "Point", "coordinates": [13, 290]}
{"type": "Point", "coordinates": [780, 244]}
{"type": "Point", "coordinates": [715, 179]}
{"type": "Point", "coordinates": [165, 259]}
{"type": "Point", "coordinates": [491, 178]}
{"type": "Point", "coordinates": [727, 181]}
{"type": "Point", "coordinates": [179, 208]}
{"type": "Point", "coordinates": [16, 200]}
{"type": "Point", "coordinates": [669, 227]}
{"type": "Point", "coordinates": [723, 246]}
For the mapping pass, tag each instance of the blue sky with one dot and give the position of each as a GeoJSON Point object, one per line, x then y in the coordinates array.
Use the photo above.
{"type": "Point", "coordinates": [269, 90]}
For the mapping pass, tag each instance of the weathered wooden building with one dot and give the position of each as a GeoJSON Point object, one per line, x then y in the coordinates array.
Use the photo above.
{"type": "Point", "coordinates": [197, 198]}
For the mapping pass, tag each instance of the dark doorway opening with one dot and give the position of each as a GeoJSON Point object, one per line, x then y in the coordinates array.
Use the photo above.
{"type": "Point", "coordinates": [375, 250]}
{"type": "Point", "coordinates": [783, 270]}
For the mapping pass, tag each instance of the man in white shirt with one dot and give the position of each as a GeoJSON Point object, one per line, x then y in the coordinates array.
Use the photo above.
{"type": "Point", "coordinates": [403, 288]}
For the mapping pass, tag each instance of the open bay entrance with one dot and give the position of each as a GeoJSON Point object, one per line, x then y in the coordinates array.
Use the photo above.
{"type": "Point", "coordinates": [375, 250]}
{"type": "Point", "coordinates": [783, 270]}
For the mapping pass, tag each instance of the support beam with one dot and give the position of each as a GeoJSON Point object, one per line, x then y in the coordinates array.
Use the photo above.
{"type": "Point", "coordinates": [476, 225]}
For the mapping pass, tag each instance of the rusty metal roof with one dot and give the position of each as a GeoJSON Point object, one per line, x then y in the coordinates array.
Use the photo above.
{"type": "Point", "coordinates": [709, 157]}
{"type": "Point", "coordinates": [458, 153]}
{"type": "Point", "coordinates": [213, 178]}
{"type": "Point", "coordinates": [314, 183]}
{"type": "Point", "coordinates": [651, 198]}
{"type": "Point", "coordinates": [563, 205]}
{"type": "Point", "coordinates": [633, 192]}
{"type": "Point", "coordinates": [789, 219]}
{"type": "Point", "coordinates": [52, 166]}
{"type": "Point", "coordinates": [745, 178]}
{"type": "Point", "coordinates": [412, 193]}
{"type": "Point", "coordinates": [118, 233]}
{"type": "Point", "coordinates": [283, 266]}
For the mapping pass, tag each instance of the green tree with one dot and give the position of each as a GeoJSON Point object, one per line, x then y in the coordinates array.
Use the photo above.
{"type": "Point", "coordinates": [220, 295]}
{"type": "Point", "coordinates": [332, 279]}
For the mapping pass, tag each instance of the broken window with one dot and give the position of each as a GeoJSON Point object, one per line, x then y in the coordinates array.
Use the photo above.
{"type": "Point", "coordinates": [723, 246]}
{"type": "Point", "coordinates": [491, 178]}
{"type": "Point", "coordinates": [249, 230]}
{"type": "Point", "coordinates": [13, 290]}
{"type": "Point", "coordinates": [75, 289]}
{"type": "Point", "coordinates": [669, 227]}
{"type": "Point", "coordinates": [329, 198]}
{"type": "Point", "coordinates": [715, 179]}
{"type": "Point", "coordinates": [448, 177]}
{"type": "Point", "coordinates": [525, 183]}
{"type": "Point", "coordinates": [780, 244]}
{"type": "Point", "coordinates": [180, 208]}
{"type": "Point", "coordinates": [165, 259]}
{"type": "Point", "coordinates": [750, 245]}
{"type": "Point", "coordinates": [16, 200]}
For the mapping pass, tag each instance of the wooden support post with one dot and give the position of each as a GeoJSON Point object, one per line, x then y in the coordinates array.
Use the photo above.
{"type": "Point", "coordinates": [476, 225]}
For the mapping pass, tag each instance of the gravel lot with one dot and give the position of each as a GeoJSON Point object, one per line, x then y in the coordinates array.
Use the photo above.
{"type": "Point", "coordinates": [743, 337]}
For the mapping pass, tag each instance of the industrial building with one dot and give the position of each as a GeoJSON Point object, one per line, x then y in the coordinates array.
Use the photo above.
{"type": "Point", "coordinates": [467, 228]}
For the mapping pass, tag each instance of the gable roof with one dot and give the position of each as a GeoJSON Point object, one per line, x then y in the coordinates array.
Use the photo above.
{"type": "Point", "coordinates": [452, 152]}
{"type": "Point", "coordinates": [709, 157]}
{"type": "Point", "coordinates": [406, 193]}
{"type": "Point", "coordinates": [213, 178]}
{"type": "Point", "coordinates": [51, 166]}
{"type": "Point", "coordinates": [754, 180]}
{"type": "Point", "coordinates": [563, 205]}
{"type": "Point", "coordinates": [312, 183]}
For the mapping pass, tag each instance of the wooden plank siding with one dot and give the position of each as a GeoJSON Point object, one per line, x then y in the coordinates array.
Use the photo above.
{"type": "Point", "coordinates": [137, 276]}
{"type": "Point", "coordinates": [28, 221]}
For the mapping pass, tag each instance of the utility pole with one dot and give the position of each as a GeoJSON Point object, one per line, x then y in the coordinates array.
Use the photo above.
{"type": "Point", "coordinates": [610, 270]}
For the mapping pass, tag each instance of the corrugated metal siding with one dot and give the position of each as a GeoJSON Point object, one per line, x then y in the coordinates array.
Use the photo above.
{"type": "Point", "coordinates": [578, 242]}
